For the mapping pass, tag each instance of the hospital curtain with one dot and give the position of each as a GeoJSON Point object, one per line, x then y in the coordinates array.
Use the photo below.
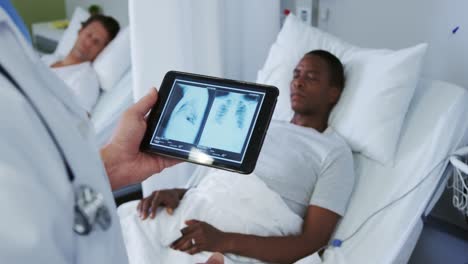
{"type": "Point", "coordinates": [222, 38]}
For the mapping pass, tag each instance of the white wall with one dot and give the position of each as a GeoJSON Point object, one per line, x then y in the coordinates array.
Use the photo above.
{"type": "Point", "coordinates": [116, 8]}
{"type": "Point", "coordinates": [250, 29]}
{"type": "Point", "coordinates": [401, 23]}
{"type": "Point", "coordinates": [222, 38]}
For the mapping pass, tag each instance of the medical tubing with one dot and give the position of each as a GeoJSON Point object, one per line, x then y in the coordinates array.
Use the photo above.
{"type": "Point", "coordinates": [337, 242]}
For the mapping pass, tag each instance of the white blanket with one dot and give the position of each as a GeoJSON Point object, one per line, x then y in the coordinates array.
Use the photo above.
{"type": "Point", "coordinates": [230, 202]}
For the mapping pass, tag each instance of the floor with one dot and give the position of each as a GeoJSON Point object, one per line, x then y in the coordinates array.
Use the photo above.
{"type": "Point", "coordinates": [444, 238]}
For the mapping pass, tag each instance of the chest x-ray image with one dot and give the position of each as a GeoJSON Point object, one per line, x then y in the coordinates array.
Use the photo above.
{"type": "Point", "coordinates": [189, 105]}
{"type": "Point", "coordinates": [229, 121]}
{"type": "Point", "coordinates": [217, 118]}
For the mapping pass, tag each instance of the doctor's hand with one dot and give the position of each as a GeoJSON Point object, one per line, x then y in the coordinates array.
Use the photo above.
{"type": "Point", "coordinates": [124, 162]}
{"type": "Point", "coordinates": [199, 236]}
{"type": "Point", "coordinates": [167, 198]}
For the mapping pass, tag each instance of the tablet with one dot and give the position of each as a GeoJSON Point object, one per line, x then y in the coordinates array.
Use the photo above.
{"type": "Point", "coordinates": [210, 121]}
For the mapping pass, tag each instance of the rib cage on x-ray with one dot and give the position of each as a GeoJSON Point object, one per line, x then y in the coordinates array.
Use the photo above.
{"type": "Point", "coordinates": [240, 112]}
{"type": "Point", "coordinates": [229, 121]}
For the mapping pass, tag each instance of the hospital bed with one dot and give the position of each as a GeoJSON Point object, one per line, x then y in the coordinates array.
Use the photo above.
{"type": "Point", "coordinates": [391, 200]}
{"type": "Point", "coordinates": [110, 106]}
{"type": "Point", "coordinates": [114, 73]}
{"type": "Point", "coordinates": [434, 128]}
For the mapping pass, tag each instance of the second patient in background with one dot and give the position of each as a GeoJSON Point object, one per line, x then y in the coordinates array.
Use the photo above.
{"type": "Point", "coordinates": [75, 69]}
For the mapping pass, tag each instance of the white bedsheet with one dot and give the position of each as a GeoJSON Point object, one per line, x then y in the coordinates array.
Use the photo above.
{"type": "Point", "coordinates": [110, 106]}
{"type": "Point", "coordinates": [220, 199]}
{"type": "Point", "coordinates": [435, 126]}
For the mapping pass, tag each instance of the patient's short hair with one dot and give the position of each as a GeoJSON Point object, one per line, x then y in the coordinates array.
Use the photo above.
{"type": "Point", "coordinates": [110, 24]}
{"type": "Point", "coordinates": [335, 67]}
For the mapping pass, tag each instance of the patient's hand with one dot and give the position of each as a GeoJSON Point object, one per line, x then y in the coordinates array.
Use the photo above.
{"type": "Point", "coordinates": [199, 236]}
{"type": "Point", "coordinates": [124, 162]}
{"type": "Point", "coordinates": [167, 198]}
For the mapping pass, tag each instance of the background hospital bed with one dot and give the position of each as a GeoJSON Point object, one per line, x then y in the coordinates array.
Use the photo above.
{"type": "Point", "coordinates": [116, 94]}
{"type": "Point", "coordinates": [110, 106]}
{"type": "Point", "coordinates": [114, 73]}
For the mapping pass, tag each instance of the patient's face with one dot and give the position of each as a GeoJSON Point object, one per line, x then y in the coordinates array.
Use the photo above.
{"type": "Point", "coordinates": [309, 86]}
{"type": "Point", "coordinates": [92, 39]}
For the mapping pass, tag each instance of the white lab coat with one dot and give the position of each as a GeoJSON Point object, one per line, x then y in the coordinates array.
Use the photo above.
{"type": "Point", "coordinates": [36, 196]}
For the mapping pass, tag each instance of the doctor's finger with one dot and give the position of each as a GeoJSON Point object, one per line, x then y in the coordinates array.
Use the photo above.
{"type": "Point", "coordinates": [142, 107]}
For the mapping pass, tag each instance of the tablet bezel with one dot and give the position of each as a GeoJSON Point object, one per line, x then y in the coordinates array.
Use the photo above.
{"type": "Point", "coordinates": [258, 132]}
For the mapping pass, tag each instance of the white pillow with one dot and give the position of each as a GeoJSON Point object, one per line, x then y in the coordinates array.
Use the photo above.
{"type": "Point", "coordinates": [379, 86]}
{"type": "Point", "coordinates": [114, 60]}
{"type": "Point", "coordinates": [71, 33]}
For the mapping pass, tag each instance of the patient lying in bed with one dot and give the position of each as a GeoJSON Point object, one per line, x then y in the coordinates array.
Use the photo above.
{"type": "Point", "coordinates": [75, 69]}
{"type": "Point", "coordinates": [287, 209]}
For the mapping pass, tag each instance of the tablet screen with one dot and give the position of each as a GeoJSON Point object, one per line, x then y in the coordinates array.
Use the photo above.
{"type": "Point", "coordinates": [209, 121]}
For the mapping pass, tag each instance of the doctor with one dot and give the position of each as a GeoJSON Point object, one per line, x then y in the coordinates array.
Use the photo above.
{"type": "Point", "coordinates": [56, 202]}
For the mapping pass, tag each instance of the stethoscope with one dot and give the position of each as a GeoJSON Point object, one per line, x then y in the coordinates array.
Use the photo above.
{"type": "Point", "coordinates": [90, 209]}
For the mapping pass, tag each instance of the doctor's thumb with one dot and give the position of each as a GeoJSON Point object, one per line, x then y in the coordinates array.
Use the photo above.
{"type": "Point", "coordinates": [144, 105]}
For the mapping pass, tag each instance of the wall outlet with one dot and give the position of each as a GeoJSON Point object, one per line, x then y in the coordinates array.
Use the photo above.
{"type": "Point", "coordinates": [304, 14]}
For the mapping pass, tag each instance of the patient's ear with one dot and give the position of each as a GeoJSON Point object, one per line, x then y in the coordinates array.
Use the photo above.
{"type": "Point", "coordinates": [334, 94]}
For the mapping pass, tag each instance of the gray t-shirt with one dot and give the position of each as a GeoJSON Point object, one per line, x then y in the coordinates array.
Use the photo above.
{"type": "Point", "coordinates": [306, 167]}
